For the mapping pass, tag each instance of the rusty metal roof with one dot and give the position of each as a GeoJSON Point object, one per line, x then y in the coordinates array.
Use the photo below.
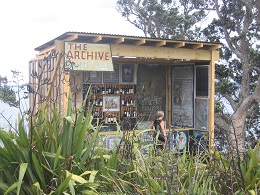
{"type": "Point", "coordinates": [129, 40]}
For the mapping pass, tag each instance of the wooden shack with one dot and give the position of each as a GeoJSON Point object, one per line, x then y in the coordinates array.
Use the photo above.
{"type": "Point", "coordinates": [131, 78]}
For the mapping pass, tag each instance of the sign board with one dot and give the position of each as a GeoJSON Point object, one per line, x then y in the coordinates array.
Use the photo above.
{"type": "Point", "coordinates": [176, 141]}
{"type": "Point", "coordinates": [150, 91]}
{"type": "Point", "coordinates": [88, 57]}
{"type": "Point", "coordinates": [182, 96]}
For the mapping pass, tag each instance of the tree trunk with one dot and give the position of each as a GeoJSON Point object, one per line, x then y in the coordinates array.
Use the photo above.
{"type": "Point", "coordinates": [236, 133]}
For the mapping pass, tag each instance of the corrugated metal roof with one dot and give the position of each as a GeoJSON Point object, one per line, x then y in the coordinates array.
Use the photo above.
{"type": "Point", "coordinates": [130, 40]}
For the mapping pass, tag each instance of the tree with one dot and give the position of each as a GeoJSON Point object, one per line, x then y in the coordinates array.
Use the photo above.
{"type": "Point", "coordinates": [7, 94]}
{"type": "Point", "coordinates": [238, 71]}
{"type": "Point", "coordinates": [237, 25]}
{"type": "Point", "coordinates": [164, 18]}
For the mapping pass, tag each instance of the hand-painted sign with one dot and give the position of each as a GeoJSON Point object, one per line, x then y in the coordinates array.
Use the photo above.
{"type": "Point", "coordinates": [88, 57]}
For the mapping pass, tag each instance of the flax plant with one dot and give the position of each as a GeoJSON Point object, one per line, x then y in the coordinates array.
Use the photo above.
{"type": "Point", "coordinates": [60, 152]}
{"type": "Point", "coordinates": [67, 156]}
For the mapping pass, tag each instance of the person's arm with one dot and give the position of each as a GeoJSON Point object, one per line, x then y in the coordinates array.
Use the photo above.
{"type": "Point", "coordinates": [150, 126]}
{"type": "Point", "coordinates": [163, 129]}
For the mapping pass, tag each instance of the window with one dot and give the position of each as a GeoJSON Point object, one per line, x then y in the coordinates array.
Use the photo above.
{"type": "Point", "coordinates": [202, 81]}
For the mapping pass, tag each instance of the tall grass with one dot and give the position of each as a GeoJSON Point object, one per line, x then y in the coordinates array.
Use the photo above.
{"type": "Point", "coordinates": [58, 158]}
{"type": "Point", "coordinates": [66, 156]}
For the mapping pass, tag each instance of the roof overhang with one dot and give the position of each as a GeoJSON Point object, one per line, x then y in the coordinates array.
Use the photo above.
{"type": "Point", "coordinates": [133, 48]}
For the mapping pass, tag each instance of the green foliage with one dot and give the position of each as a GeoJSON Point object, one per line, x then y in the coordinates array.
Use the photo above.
{"type": "Point", "coordinates": [67, 156]}
{"type": "Point", "coordinates": [163, 19]}
{"type": "Point", "coordinates": [7, 95]}
{"type": "Point", "coordinates": [56, 158]}
{"type": "Point", "coordinates": [219, 107]}
{"type": "Point", "coordinates": [237, 174]}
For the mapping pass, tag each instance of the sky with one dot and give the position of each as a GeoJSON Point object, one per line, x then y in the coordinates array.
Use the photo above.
{"type": "Point", "coordinates": [27, 24]}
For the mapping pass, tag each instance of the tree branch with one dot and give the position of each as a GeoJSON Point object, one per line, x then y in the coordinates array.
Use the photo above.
{"type": "Point", "coordinates": [226, 33]}
{"type": "Point", "coordinates": [248, 102]}
{"type": "Point", "coordinates": [248, 16]}
{"type": "Point", "coordinates": [233, 104]}
{"type": "Point", "coordinates": [256, 94]}
{"type": "Point", "coordinates": [222, 122]}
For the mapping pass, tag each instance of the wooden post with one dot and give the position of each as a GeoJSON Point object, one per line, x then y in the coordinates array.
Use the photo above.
{"type": "Point", "coordinates": [169, 93]}
{"type": "Point", "coordinates": [212, 100]}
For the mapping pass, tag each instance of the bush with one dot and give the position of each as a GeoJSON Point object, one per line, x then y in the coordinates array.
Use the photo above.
{"type": "Point", "coordinates": [64, 155]}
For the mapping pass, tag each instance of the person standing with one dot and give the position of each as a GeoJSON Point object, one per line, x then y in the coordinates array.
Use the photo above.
{"type": "Point", "coordinates": [159, 125]}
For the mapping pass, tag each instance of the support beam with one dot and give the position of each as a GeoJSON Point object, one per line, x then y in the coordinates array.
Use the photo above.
{"type": "Point", "coordinates": [45, 51]}
{"type": "Point", "coordinates": [72, 38]}
{"type": "Point", "coordinates": [169, 96]}
{"type": "Point", "coordinates": [119, 40]}
{"type": "Point", "coordinates": [96, 39]}
{"type": "Point", "coordinates": [161, 43]}
{"type": "Point", "coordinates": [178, 45]}
{"type": "Point", "coordinates": [140, 42]}
{"type": "Point", "coordinates": [146, 61]}
{"type": "Point", "coordinates": [197, 46]}
{"type": "Point", "coordinates": [160, 52]}
{"type": "Point", "coordinates": [211, 99]}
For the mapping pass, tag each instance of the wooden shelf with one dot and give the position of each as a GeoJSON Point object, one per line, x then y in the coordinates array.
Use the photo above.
{"type": "Point", "coordinates": [124, 94]}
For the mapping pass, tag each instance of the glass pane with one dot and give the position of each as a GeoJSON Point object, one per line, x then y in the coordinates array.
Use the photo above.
{"type": "Point", "coordinates": [150, 92]}
{"type": "Point", "coordinates": [182, 95]}
{"type": "Point", "coordinates": [202, 81]}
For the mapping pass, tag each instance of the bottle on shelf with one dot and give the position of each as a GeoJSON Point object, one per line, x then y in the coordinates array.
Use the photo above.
{"type": "Point", "coordinates": [114, 90]}
{"type": "Point", "coordinates": [115, 118]}
{"type": "Point", "coordinates": [123, 101]}
{"type": "Point", "coordinates": [100, 101]}
{"type": "Point", "coordinates": [127, 89]}
{"type": "Point", "coordinates": [123, 89]}
{"type": "Point", "coordinates": [124, 113]}
{"type": "Point", "coordinates": [96, 113]}
{"type": "Point", "coordinates": [96, 101]}
{"type": "Point", "coordinates": [109, 90]}
{"type": "Point", "coordinates": [131, 102]}
{"type": "Point", "coordinates": [127, 101]}
{"type": "Point", "coordinates": [111, 118]}
{"type": "Point", "coordinates": [120, 90]}
{"type": "Point", "coordinates": [90, 102]}
{"type": "Point", "coordinates": [98, 90]}
{"type": "Point", "coordinates": [131, 91]}
{"type": "Point", "coordinates": [133, 113]}
{"type": "Point", "coordinates": [108, 119]}
{"type": "Point", "coordinates": [103, 90]}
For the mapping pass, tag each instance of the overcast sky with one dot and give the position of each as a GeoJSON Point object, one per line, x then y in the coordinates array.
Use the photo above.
{"type": "Point", "coordinates": [27, 24]}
